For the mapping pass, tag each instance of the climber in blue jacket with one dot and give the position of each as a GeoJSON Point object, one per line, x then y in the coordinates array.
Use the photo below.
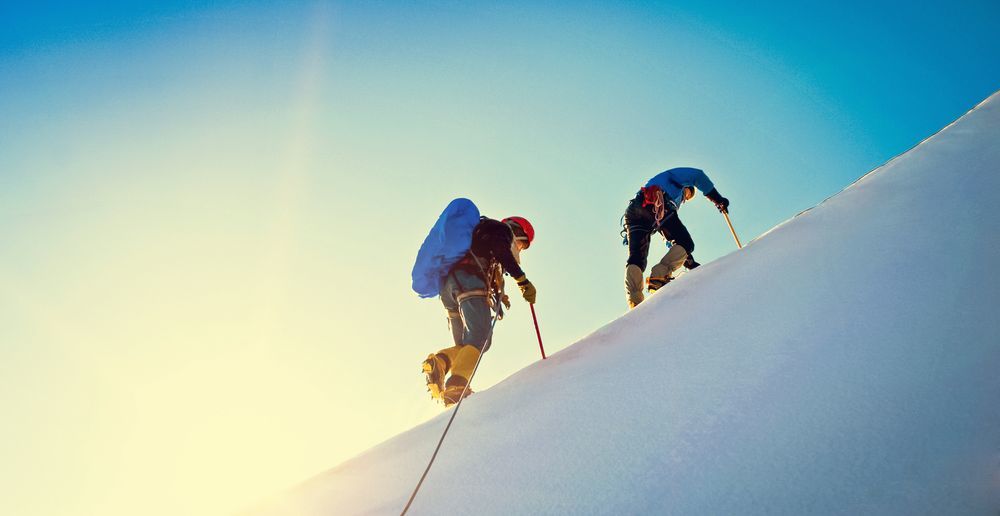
{"type": "Point", "coordinates": [654, 208]}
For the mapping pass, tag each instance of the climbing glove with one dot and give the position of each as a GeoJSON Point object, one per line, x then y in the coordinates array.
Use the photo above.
{"type": "Point", "coordinates": [689, 262]}
{"type": "Point", "coordinates": [527, 289]}
{"type": "Point", "coordinates": [720, 202]}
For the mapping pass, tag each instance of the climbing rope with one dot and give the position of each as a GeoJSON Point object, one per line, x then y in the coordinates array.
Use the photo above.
{"type": "Point", "coordinates": [489, 336]}
{"type": "Point", "coordinates": [653, 196]}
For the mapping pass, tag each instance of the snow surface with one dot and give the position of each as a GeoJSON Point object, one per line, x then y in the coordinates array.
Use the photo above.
{"type": "Point", "coordinates": [847, 362]}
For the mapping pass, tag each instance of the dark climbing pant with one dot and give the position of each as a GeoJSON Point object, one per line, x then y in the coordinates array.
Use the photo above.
{"type": "Point", "coordinates": [640, 223]}
{"type": "Point", "coordinates": [464, 296]}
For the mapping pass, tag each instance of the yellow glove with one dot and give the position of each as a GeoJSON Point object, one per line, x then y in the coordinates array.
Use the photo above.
{"type": "Point", "coordinates": [527, 289]}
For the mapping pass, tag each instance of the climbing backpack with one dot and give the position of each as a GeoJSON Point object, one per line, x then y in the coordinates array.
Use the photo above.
{"type": "Point", "coordinates": [446, 243]}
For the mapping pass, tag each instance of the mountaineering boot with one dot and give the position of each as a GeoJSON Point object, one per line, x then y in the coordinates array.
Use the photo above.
{"type": "Point", "coordinates": [463, 365]}
{"type": "Point", "coordinates": [456, 390]}
{"type": "Point", "coordinates": [653, 283]}
{"type": "Point", "coordinates": [663, 271]}
{"type": "Point", "coordinates": [463, 362]}
{"type": "Point", "coordinates": [435, 368]}
{"type": "Point", "coordinates": [449, 355]}
{"type": "Point", "coordinates": [633, 285]}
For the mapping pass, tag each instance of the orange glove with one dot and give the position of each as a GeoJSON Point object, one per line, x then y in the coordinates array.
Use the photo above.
{"type": "Point", "coordinates": [527, 289]}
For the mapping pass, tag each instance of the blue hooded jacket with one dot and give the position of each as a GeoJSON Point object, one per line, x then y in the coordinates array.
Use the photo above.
{"type": "Point", "coordinates": [673, 181]}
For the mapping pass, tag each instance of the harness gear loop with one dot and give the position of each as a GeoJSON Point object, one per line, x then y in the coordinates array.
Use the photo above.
{"type": "Point", "coordinates": [653, 196]}
{"type": "Point", "coordinates": [493, 278]}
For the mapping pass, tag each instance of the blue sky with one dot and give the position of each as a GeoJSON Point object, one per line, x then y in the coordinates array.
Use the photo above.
{"type": "Point", "coordinates": [210, 210]}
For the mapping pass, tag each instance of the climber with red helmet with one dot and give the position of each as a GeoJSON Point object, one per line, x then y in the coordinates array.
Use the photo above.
{"type": "Point", "coordinates": [466, 294]}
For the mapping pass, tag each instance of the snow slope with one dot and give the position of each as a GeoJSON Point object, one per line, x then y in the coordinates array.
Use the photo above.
{"type": "Point", "coordinates": [847, 362]}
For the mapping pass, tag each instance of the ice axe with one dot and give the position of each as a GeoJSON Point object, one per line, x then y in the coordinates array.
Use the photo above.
{"type": "Point", "coordinates": [537, 332]}
{"type": "Point", "coordinates": [725, 213]}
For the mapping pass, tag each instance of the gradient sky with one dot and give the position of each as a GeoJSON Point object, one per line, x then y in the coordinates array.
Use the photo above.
{"type": "Point", "coordinates": [209, 211]}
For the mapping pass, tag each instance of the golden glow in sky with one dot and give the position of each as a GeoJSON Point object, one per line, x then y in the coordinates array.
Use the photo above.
{"type": "Point", "coordinates": [208, 215]}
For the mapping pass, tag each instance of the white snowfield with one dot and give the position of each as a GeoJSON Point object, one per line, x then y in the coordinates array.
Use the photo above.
{"type": "Point", "coordinates": [847, 362]}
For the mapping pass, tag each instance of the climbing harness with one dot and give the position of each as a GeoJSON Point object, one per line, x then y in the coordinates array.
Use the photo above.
{"type": "Point", "coordinates": [653, 196]}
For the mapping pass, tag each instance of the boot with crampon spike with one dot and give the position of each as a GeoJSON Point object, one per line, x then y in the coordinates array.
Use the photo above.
{"type": "Point", "coordinates": [435, 368]}
{"type": "Point", "coordinates": [456, 390]}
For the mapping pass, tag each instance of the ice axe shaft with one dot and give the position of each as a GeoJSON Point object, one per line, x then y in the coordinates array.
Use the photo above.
{"type": "Point", "coordinates": [738, 244]}
{"type": "Point", "coordinates": [537, 332]}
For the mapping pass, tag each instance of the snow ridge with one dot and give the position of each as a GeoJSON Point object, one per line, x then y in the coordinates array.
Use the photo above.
{"type": "Point", "coordinates": [843, 363]}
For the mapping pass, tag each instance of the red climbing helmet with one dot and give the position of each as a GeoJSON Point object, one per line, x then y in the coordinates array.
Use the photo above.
{"type": "Point", "coordinates": [522, 224]}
